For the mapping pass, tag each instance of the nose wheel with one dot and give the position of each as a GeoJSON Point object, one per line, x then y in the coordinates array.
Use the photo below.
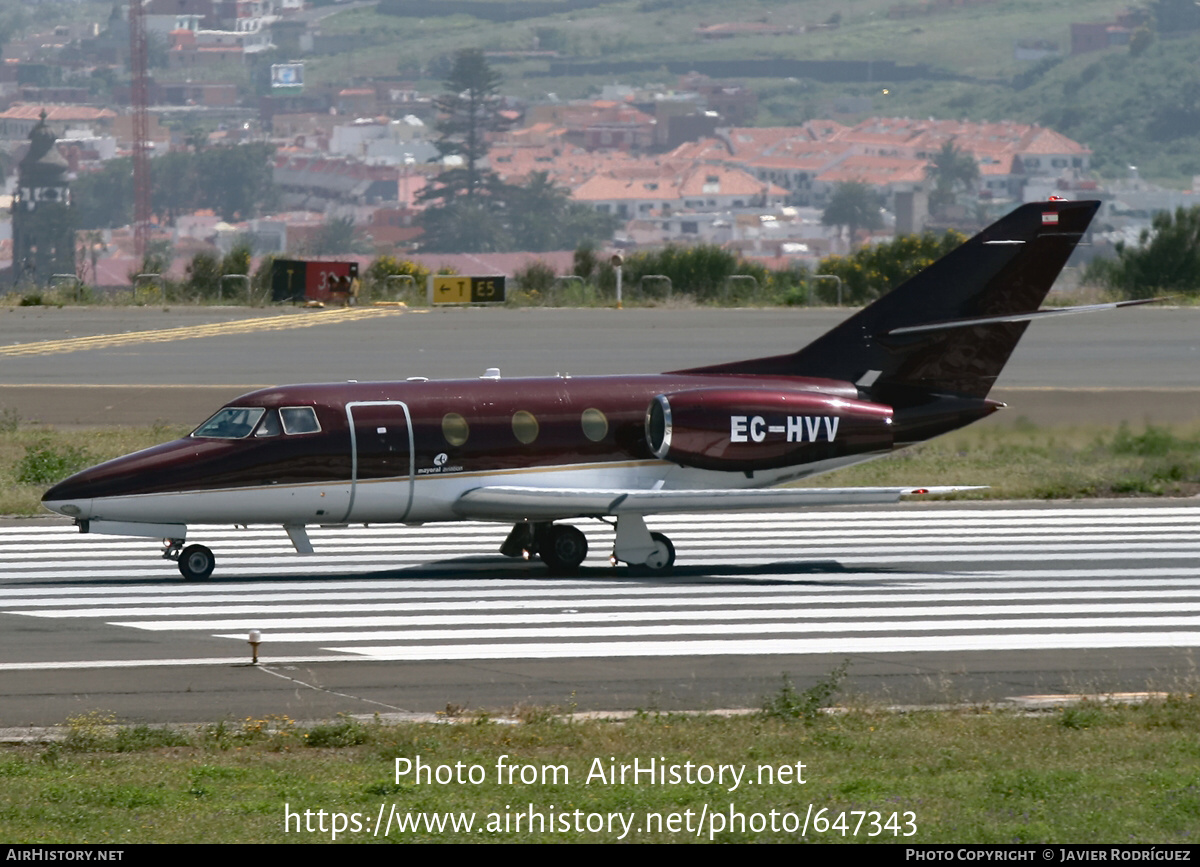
{"type": "Point", "coordinates": [646, 553]}
{"type": "Point", "coordinates": [663, 557]}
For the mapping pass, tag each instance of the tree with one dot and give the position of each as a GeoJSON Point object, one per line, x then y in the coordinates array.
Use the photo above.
{"type": "Point", "coordinates": [104, 199]}
{"type": "Point", "coordinates": [585, 261]}
{"type": "Point", "coordinates": [237, 260]}
{"type": "Point", "coordinates": [699, 270]}
{"type": "Point", "coordinates": [204, 275]}
{"type": "Point", "coordinates": [876, 270]}
{"type": "Point", "coordinates": [1140, 40]}
{"type": "Point", "coordinates": [1166, 259]}
{"type": "Point", "coordinates": [466, 207]}
{"type": "Point", "coordinates": [535, 212]}
{"type": "Point", "coordinates": [583, 224]}
{"type": "Point", "coordinates": [464, 226]}
{"type": "Point", "coordinates": [235, 181]}
{"type": "Point", "coordinates": [383, 267]}
{"type": "Point", "coordinates": [335, 236]}
{"type": "Point", "coordinates": [174, 185]}
{"type": "Point", "coordinates": [157, 260]}
{"type": "Point", "coordinates": [1175, 16]}
{"type": "Point", "coordinates": [468, 110]}
{"type": "Point", "coordinates": [542, 217]}
{"type": "Point", "coordinates": [952, 169]}
{"type": "Point", "coordinates": [855, 206]}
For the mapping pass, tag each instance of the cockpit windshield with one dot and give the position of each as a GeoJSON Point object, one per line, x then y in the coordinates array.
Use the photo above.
{"type": "Point", "coordinates": [230, 423]}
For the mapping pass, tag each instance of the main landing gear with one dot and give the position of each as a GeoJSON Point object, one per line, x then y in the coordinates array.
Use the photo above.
{"type": "Point", "coordinates": [563, 547]}
{"type": "Point", "coordinates": [195, 561]}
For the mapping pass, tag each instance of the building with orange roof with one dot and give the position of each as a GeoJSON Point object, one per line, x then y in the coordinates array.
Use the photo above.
{"type": "Point", "coordinates": [1008, 153]}
{"type": "Point", "coordinates": [885, 174]}
{"type": "Point", "coordinates": [628, 197]}
{"type": "Point", "coordinates": [599, 124]}
{"type": "Point", "coordinates": [701, 188]}
{"type": "Point", "coordinates": [18, 120]}
{"type": "Point", "coordinates": [316, 182]}
{"type": "Point", "coordinates": [568, 165]}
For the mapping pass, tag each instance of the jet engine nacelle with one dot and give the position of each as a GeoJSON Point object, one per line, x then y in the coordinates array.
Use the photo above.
{"type": "Point", "coordinates": [743, 429]}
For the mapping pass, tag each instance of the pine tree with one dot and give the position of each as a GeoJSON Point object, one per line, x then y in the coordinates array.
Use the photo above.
{"type": "Point", "coordinates": [467, 112]}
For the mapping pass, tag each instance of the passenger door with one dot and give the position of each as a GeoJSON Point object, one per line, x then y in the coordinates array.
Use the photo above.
{"type": "Point", "coordinates": [382, 461]}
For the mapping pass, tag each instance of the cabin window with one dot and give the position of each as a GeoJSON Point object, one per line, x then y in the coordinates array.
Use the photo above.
{"type": "Point", "coordinates": [230, 423]}
{"type": "Point", "coordinates": [455, 429]}
{"type": "Point", "coordinates": [595, 425]}
{"type": "Point", "coordinates": [299, 419]}
{"type": "Point", "coordinates": [525, 426]}
{"type": "Point", "coordinates": [269, 426]}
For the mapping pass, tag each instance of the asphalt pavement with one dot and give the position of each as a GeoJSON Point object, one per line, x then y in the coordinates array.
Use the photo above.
{"type": "Point", "coordinates": [140, 365]}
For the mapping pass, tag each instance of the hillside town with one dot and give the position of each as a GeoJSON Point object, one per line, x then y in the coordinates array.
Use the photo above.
{"type": "Point", "coordinates": [679, 162]}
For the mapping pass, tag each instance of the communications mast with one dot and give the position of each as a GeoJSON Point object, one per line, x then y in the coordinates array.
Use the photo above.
{"type": "Point", "coordinates": [138, 61]}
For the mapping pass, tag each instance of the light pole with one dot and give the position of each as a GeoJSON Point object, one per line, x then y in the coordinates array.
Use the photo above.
{"type": "Point", "coordinates": [617, 261]}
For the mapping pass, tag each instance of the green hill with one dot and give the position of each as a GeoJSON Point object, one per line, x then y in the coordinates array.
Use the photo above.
{"type": "Point", "coordinates": [949, 62]}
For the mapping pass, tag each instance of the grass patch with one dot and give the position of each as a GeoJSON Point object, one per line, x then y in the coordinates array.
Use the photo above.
{"type": "Point", "coordinates": [806, 705]}
{"type": "Point", "coordinates": [45, 463]}
{"type": "Point", "coordinates": [975, 774]}
{"type": "Point", "coordinates": [32, 459]}
{"type": "Point", "coordinates": [1023, 461]}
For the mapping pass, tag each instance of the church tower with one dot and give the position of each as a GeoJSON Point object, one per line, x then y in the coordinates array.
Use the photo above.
{"type": "Point", "coordinates": [42, 221]}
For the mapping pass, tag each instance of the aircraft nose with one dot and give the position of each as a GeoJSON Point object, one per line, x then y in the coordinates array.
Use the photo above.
{"type": "Point", "coordinates": [67, 497]}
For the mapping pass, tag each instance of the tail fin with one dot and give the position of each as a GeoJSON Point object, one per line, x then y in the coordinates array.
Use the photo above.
{"type": "Point", "coordinates": [950, 329]}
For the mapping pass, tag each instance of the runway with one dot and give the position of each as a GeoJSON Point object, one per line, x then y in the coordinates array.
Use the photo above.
{"type": "Point", "coordinates": [985, 601]}
{"type": "Point", "coordinates": [92, 366]}
{"type": "Point", "coordinates": [930, 603]}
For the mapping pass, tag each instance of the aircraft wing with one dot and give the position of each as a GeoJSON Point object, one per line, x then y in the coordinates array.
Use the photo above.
{"type": "Point", "coordinates": [514, 503]}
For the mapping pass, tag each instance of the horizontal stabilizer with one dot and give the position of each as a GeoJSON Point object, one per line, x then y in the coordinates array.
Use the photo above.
{"type": "Point", "coordinates": [512, 503]}
{"type": "Point", "coordinates": [1018, 317]}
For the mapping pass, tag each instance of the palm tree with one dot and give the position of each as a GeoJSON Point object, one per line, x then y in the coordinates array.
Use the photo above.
{"type": "Point", "coordinates": [950, 170]}
{"type": "Point", "coordinates": [853, 205]}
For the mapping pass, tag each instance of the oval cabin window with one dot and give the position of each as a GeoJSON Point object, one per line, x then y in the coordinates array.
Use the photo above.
{"type": "Point", "coordinates": [525, 426]}
{"type": "Point", "coordinates": [455, 429]}
{"type": "Point", "coordinates": [595, 425]}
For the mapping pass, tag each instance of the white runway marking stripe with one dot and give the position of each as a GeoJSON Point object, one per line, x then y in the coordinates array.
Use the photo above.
{"type": "Point", "coordinates": [615, 595]}
{"type": "Point", "coordinates": [675, 612]}
{"type": "Point", "coordinates": [758, 628]}
{"type": "Point", "coordinates": [893, 613]}
{"type": "Point", "coordinates": [875, 581]}
{"type": "Point", "coordinates": [540, 604]}
{"type": "Point", "coordinates": [758, 647]}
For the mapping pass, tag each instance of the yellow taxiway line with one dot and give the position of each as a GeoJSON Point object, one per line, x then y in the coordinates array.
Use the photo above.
{"type": "Point", "coordinates": [190, 332]}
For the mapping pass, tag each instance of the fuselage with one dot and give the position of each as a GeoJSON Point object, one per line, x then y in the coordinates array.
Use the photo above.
{"type": "Point", "coordinates": [405, 451]}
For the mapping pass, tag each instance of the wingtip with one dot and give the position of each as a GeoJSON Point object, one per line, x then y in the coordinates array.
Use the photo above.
{"type": "Point", "coordinates": [942, 489]}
